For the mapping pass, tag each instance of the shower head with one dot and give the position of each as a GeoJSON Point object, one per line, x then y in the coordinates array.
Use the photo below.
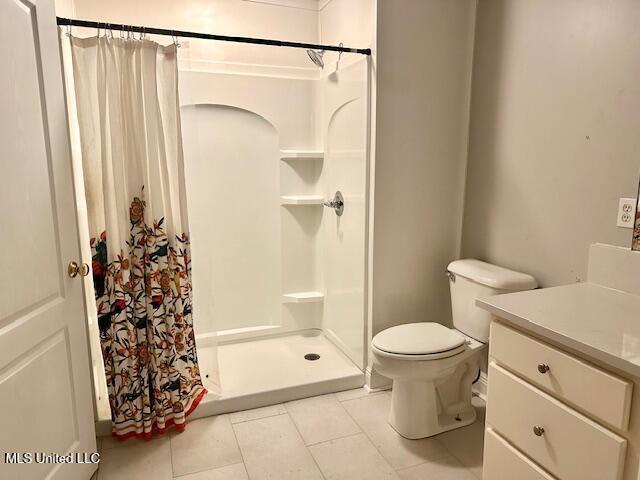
{"type": "Point", "coordinates": [316, 57]}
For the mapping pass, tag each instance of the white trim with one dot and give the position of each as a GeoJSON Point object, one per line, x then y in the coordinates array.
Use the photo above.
{"type": "Point", "coordinates": [313, 5]}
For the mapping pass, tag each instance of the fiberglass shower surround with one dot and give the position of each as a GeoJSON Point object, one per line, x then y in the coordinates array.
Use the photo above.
{"type": "Point", "coordinates": [290, 263]}
{"type": "Point", "coordinates": [276, 273]}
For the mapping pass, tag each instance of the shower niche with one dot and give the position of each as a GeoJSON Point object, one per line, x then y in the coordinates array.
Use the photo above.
{"type": "Point", "coordinates": [301, 220]}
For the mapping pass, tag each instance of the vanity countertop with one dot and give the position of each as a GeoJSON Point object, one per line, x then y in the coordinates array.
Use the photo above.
{"type": "Point", "coordinates": [601, 323]}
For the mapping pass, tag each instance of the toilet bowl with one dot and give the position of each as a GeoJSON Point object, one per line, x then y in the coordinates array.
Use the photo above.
{"type": "Point", "coordinates": [433, 366]}
{"type": "Point", "coordinates": [431, 386]}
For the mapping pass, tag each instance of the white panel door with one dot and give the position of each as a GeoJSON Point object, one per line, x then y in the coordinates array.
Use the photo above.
{"type": "Point", "coordinates": [45, 385]}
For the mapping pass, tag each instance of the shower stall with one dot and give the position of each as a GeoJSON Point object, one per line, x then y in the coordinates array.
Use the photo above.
{"type": "Point", "coordinates": [277, 178]}
{"type": "Point", "coordinates": [279, 277]}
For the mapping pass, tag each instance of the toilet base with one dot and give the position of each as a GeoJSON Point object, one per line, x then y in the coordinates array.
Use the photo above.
{"type": "Point", "coordinates": [424, 408]}
{"type": "Point", "coordinates": [429, 425]}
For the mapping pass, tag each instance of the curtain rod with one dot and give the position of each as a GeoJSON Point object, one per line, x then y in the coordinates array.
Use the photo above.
{"type": "Point", "coordinates": [72, 22]}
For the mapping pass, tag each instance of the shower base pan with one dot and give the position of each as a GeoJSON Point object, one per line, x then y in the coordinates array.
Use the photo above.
{"type": "Point", "coordinates": [260, 372]}
{"type": "Point", "coordinates": [270, 370]}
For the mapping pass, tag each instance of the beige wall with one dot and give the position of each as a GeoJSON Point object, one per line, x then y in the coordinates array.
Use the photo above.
{"type": "Point", "coordinates": [554, 137]}
{"type": "Point", "coordinates": [423, 64]}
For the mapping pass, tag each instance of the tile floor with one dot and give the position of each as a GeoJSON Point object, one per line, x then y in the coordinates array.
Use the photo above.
{"type": "Point", "coordinates": [333, 437]}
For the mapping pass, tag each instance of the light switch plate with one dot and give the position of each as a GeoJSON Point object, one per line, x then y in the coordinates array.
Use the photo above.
{"type": "Point", "coordinates": [626, 212]}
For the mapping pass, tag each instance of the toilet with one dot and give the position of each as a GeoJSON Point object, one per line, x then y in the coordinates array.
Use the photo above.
{"type": "Point", "coordinates": [433, 366]}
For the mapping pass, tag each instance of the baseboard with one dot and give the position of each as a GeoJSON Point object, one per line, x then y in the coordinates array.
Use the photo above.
{"type": "Point", "coordinates": [375, 382]}
{"type": "Point", "coordinates": [103, 428]}
{"type": "Point", "coordinates": [480, 387]}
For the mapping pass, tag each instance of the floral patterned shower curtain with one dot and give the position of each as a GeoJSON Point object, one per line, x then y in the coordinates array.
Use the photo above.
{"type": "Point", "coordinates": [129, 122]}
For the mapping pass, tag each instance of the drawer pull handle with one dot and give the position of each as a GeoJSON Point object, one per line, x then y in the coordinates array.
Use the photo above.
{"type": "Point", "coordinates": [538, 431]}
{"type": "Point", "coordinates": [543, 368]}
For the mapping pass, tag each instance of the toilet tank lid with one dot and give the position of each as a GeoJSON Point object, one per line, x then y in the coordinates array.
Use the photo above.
{"type": "Point", "coordinates": [492, 275]}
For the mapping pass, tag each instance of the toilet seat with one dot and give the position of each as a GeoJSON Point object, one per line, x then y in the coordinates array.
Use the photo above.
{"type": "Point", "coordinates": [419, 341]}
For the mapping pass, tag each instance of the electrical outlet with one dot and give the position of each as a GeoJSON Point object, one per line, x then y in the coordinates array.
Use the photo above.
{"type": "Point", "coordinates": [626, 212]}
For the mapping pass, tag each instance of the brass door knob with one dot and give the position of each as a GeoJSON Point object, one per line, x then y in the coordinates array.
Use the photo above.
{"type": "Point", "coordinates": [74, 269]}
{"type": "Point", "coordinates": [543, 368]}
{"type": "Point", "coordinates": [538, 431]}
{"type": "Point", "coordinates": [84, 269]}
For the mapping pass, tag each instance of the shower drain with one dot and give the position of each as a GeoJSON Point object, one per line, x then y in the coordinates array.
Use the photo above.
{"type": "Point", "coordinates": [311, 356]}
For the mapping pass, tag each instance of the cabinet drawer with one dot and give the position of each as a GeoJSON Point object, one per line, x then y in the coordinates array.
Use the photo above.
{"type": "Point", "coordinates": [599, 393]}
{"type": "Point", "coordinates": [503, 462]}
{"type": "Point", "coordinates": [572, 446]}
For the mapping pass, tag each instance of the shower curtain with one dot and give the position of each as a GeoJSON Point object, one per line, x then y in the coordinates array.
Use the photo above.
{"type": "Point", "coordinates": [126, 93]}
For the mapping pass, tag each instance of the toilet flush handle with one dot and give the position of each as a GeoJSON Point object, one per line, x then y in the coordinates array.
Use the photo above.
{"type": "Point", "coordinates": [538, 431]}
{"type": "Point", "coordinates": [543, 368]}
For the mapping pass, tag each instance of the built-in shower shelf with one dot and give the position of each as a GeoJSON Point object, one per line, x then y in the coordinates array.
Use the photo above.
{"type": "Point", "coordinates": [301, 199]}
{"type": "Point", "coordinates": [302, 297]}
{"type": "Point", "coordinates": [301, 155]}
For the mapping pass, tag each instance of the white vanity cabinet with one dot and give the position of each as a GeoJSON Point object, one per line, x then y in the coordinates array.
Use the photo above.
{"type": "Point", "coordinates": [564, 375]}
{"type": "Point", "coordinates": [550, 414]}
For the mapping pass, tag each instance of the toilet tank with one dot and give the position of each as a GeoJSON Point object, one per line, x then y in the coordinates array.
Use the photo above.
{"type": "Point", "coordinates": [470, 279]}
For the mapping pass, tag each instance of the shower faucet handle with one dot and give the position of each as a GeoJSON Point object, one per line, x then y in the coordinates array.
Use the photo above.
{"type": "Point", "coordinates": [337, 203]}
